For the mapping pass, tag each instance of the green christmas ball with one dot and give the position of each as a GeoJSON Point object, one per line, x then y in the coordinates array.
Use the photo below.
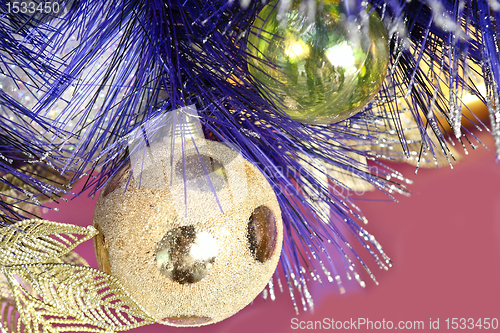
{"type": "Point", "coordinates": [321, 69]}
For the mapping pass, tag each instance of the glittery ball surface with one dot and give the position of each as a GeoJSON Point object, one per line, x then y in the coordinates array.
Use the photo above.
{"type": "Point", "coordinates": [198, 240]}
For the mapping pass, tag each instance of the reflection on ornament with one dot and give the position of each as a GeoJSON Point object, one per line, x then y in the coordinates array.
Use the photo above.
{"type": "Point", "coordinates": [185, 256]}
{"type": "Point", "coordinates": [326, 71]}
{"type": "Point", "coordinates": [195, 236]}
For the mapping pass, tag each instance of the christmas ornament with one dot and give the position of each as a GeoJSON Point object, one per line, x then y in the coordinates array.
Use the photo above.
{"type": "Point", "coordinates": [192, 50]}
{"type": "Point", "coordinates": [319, 69]}
{"type": "Point", "coordinates": [196, 235]}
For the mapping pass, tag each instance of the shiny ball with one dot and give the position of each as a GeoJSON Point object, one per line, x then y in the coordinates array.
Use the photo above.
{"type": "Point", "coordinates": [191, 249]}
{"type": "Point", "coordinates": [321, 70]}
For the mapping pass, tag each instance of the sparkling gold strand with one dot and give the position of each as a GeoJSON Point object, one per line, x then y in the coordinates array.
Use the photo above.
{"type": "Point", "coordinates": [65, 297]}
{"type": "Point", "coordinates": [46, 287]}
{"type": "Point", "coordinates": [35, 240]}
{"type": "Point", "coordinates": [72, 258]}
{"type": "Point", "coordinates": [10, 317]}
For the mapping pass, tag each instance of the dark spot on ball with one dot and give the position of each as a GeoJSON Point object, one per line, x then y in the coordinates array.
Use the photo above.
{"type": "Point", "coordinates": [117, 179]}
{"type": "Point", "coordinates": [187, 320]}
{"type": "Point", "coordinates": [185, 255]}
{"type": "Point", "coordinates": [195, 169]}
{"type": "Point", "coordinates": [101, 251]}
{"type": "Point", "coordinates": [262, 233]}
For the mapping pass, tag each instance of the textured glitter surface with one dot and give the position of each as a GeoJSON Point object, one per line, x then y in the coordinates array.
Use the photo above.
{"type": "Point", "coordinates": [35, 240]}
{"type": "Point", "coordinates": [49, 285]}
{"type": "Point", "coordinates": [134, 223]}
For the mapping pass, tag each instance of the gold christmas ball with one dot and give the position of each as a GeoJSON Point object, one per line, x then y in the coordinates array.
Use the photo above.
{"type": "Point", "coordinates": [191, 249]}
{"type": "Point", "coordinates": [319, 68]}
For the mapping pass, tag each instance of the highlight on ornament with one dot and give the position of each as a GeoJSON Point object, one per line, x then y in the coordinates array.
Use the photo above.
{"type": "Point", "coordinates": [318, 68]}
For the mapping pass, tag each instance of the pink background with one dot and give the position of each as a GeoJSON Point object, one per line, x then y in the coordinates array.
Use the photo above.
{"type": "Point", "coordinates": [444, 241]}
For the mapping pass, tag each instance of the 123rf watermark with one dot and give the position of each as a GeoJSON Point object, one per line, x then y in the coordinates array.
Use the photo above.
{"type": "Point", "coordinates": [368, 324]}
